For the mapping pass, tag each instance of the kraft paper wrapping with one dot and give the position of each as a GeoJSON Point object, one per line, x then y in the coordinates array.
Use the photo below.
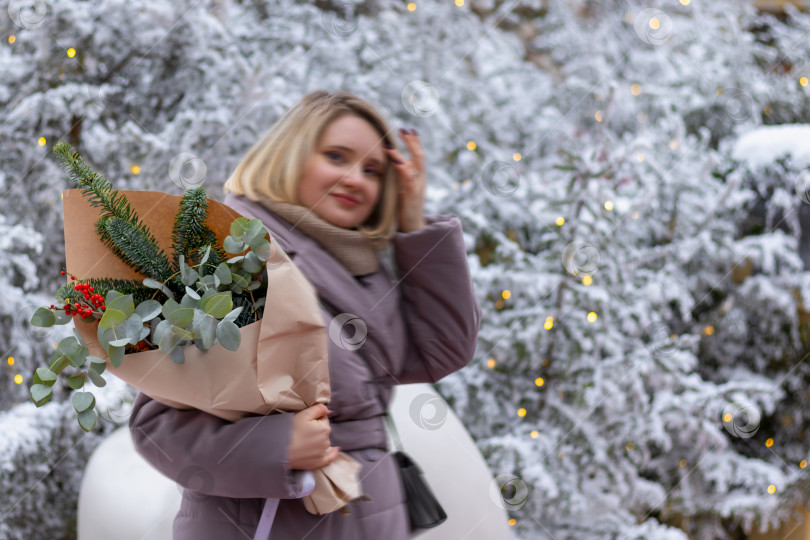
{"type": "Point", "coordinates": [281, 364]}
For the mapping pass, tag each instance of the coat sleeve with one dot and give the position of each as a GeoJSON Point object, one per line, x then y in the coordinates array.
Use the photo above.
{"type": "Point", "coordinates": [439, 306]}
{"type": "Point", "coordinates": [200, 451]}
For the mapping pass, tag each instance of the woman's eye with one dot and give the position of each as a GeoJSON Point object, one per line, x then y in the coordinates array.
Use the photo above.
{"type": "Point", "coordinates": [374, 172]}
{"type": "Point", "coordinates": [333, 154]}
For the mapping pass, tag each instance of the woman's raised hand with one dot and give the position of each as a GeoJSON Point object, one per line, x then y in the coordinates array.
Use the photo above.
{"type": "Point", "coordinates": [309, 444]}
{"type": "Point", "coordinates": [411, 180]}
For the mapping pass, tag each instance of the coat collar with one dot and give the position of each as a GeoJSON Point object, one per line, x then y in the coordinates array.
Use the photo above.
{"type": "Point", "coordinates": [338, 291]}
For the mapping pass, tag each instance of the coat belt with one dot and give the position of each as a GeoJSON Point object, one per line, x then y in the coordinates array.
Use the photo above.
{"type": "Point", "coordinates": [359, 434]}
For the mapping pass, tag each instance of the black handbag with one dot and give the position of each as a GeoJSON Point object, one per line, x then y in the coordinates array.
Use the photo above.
{"type": "Point", "coordinates": [424, 510]}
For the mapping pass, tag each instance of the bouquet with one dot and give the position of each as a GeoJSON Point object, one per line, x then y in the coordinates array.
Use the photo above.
{"type": "Point", "coordinates": [190, 329]}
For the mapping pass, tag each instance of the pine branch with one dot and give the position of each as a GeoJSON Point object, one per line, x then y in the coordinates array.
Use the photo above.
{"type": "Point", "coordinates": [191, 235]}
{"type": "Point", "coordinates": [130, 243]}
{"type": "Point", "coordinates": [114, 205]}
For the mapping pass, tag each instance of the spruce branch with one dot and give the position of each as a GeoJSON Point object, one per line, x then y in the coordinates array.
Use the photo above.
{"type": "Point", "coordinates": [191, 235]}
{"type": "Point", "coordinates": [129, 242]}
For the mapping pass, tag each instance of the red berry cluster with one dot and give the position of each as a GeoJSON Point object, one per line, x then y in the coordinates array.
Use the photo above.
{"type": "Point", "coordinates": [91, 302]}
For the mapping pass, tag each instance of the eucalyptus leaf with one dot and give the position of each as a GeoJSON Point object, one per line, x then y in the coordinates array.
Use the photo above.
{"type": "Point", "coordinates": [255, 231]}
{"type": "Point", "coordinates": [112, 294]}
{"type": "Point", "coordinates": [60, 363]}
{"type": "Point", "coordinates": [182, 333]}
{"type": "Point", "coordinates": [254, 285]}
{"type": "Point", "coordinates": [228, 335]}
{"type": "Point", "coordinates": [181, 317]}
{"type": "Point", "coordinates": [251, 264]}
{"type": "Point", "coordinates": [219, 305]}
{"type": "Point", "coordinates": [192, 293]}
{"type": "Point", "coordinates": [44, 376]}
{"type": "Point", "coordinates": [206, 329]}
{"type": "Point", "coordinates": [234, 260]}
{"type": "Point", "coordinates": [148, 309]}
{"type": "Point", "coordinates": [62, 318]}
{"type": "Point", "coordinates": [96, 379]}
{"type": "Point", "coordinates": [261, 249]}
{"type": "Point", "coordinates": [112, 318]}
{"type": "Point", "coordinates": [145, 330]}
{"type": "Point", "coordinates": [116, 355]}
{"type": "Point", "coordinates": [223, 272]}
{"type": "Point", "coordinates": [79, 337]}
{"type": "Point", "coordinates": [205, 256]}
{"type": "Point", "coordinates": [131, 328]}
{"type": "Point", "coordinates": [259, 303]}
{"type": "Point", "coordinates": [105, 335]}
{"type": "Point", "coordinates": [188, 302]}
{"type": "Point", "coordinates": [43, 317]}
{"type": "Point", "coordinates": [177, 355]}
{"type": "Point", "coordinates": [121, 342]}
{"type": "Point", "coordinates": [41, 394]}
{"type": "Point", "coordinates": [233, 246]}
{"type": "Point", "coordinates": [168, 341]}
{"type": "Point", "coordinates": [87, 419]}
{"type": "Point", "coordinates": [239, 226]}
{"type": "Point", "coordinates": [168, 307]}
{"type": "Point", "coordinates": [97, 365]}
{"type": "Point", "coordinates": [189, 276]}
{"type": "Point", "coordinates": [124, 304]}
{"type": "Point", "coordinates": [231, 317]}
{"type": "Point", "coordinates": [236, 289]}
{"type": "Point", "coordinates": [154, 284]}
{"type": "Point", "coordinates": [161, 329]}
{"type": "Point", "coordinates": [83, 401]}
{"type": "Point", "coordinates": [76, 381]}
{"type": "Point", "coordinates": [181, 262]}
{"type": "Point", "coordinates": [240, 280]}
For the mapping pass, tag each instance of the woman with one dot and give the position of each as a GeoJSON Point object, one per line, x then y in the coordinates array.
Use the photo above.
{"type": "Point", "coordinates": [332, 189]}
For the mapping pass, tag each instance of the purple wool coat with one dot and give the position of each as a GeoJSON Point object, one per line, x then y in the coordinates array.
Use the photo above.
{"type": "Point", "coordinates": [419, 330]}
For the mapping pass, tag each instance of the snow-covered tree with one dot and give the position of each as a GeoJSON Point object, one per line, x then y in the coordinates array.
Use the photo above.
{"type": "Point", "coordinates": [640, 367]}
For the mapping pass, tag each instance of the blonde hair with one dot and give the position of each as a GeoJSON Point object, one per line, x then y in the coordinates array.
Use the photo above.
{"type": "Point", "coordinates": [274, 165]}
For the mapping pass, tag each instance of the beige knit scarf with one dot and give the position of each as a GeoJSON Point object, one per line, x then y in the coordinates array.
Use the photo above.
{"type": "Point", "coordinates": [357, 252]}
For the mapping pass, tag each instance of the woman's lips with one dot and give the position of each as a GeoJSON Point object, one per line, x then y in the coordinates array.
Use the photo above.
{"type": "Point", "coordinates": [346, 200]}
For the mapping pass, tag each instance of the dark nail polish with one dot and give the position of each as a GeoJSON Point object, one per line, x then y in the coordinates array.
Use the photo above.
{"type": "Point", "coordinates": [388, 145]}
{"type": "Point", "coordinates": [397, 161]}
{"type": "Point", "coordinates": [413, 132]}
{"type": "Point", "coordinates": [403, 131]}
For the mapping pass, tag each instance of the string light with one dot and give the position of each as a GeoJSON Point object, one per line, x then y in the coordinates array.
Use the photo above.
{"type": "Point", "coordinates": [42, 141]}
{"type": "Point", "coordinates": [769, 442]}
{"type": "Point", "coordinates": [521, 412]}
{"type": "Point", "coordinates": [727, 418]}
{"type": "Point", "coordinates": [471, 145]}
{"type": "Point", "coordinates": [709, 330]}
{"type": "Point", "coordinates": [71, 52]}
{"type": "Point", "coordinates": [598, 116]}
{"type": "Point", "coordinates": [539, 381]}
{"type": "Point", "coordinates": [635, 89]}
{"type": "Point", "coordinates": [682, 463]}
{"type": "Point", "coordinates": [460, 3]}
{"type": "Point", "coordinates": [499, 304]}
{"type": "Point", "coordinates": [512, 522]}
{"type": "Point", "coordinates": [608, 205]}
{"type": "Point", "coordinates": [12, 39]}
{"type": "Point", "coordinates": [560, 220]}
{"type": "Point", "coordinates": [673, 144]}
{"type": "Point", "coordinates": [635, 215]}
{"type": "Point", "coordinates": [629, 446]}
{"type": "Point", "coordinates": [135, 169]}
{"type": "Point", "coordinates": [516, 156]}
{"type": "Point", "coordinates": [411, 7]}
{"type": "Point", "coordinates": [506, 294]}
{"type": "Point", "coordinates": [534, 434]}
{"type": "Point", "coordinates": [549, 323]}
{"type": "Point", "coordinates": [803, 81]}
{"type": "Point", "coordinates": [655, 24]}
{"type": "Point", "coordinates": [772, 489]}
{"type": "Point", "coordinates": [18, 378]}
{"type": "Point", "coordinates": [491, 363]}
{"type": "Point", "coordinates": [587, 280]}
{"type": "Point", "coordinates": [640, 157]}
{"type": "Point", "coordinates": [685, 2]}
{"type": "Point", "coordinates": [591, 316]}
{"type": "Point", "coordinates": [803, 464]}
{"type": "Point", "coordinates": [11, 360]}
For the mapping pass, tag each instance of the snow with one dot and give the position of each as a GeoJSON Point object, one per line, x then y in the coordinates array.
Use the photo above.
{"type": "Point", "coordinates": [761, 146]}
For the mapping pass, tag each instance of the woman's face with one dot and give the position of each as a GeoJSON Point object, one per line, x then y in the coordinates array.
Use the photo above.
{"type": "Point", "coordinates": [342, 180]}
